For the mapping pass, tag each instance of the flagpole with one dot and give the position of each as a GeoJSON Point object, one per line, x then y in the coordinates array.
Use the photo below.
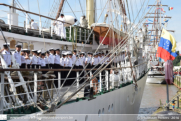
{"type": "Point", "coordinates": [167, 94]}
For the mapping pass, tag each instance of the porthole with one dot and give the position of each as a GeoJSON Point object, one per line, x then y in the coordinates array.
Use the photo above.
{"type": "Point", "coordinates": [103, 111]}
{"type": "Point", "coordinates": [128, 98]}
{"type": "Point", "coordinates": [109, 108]}
{"type": "Point", "coordinates": [99, 112]}
{"type": "Point", "coordinates": [112, 107]}
{"type": "Point", "coordinates": [86, 118]}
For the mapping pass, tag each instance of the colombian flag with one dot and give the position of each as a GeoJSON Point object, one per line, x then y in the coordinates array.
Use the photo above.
{"type": "Point", "coordinates": [167, 46]}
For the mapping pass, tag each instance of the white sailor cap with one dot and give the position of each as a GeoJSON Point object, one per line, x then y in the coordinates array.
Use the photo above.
{"type": "Point", "coordinates": [43, 53]}
{"type": "Point", "coordinates": [18, 45]}
{"type": "Point", "coordinates": [64, 53]}
{"type": "Point", "coordinates": [82, 53]}
{"type": "Point", "coordinates": [51, 49]}
{"type": "Point", "coordinates": [69, 53]}
{"type": "Point", "coordinates": [95, 54]}
{"type": "Point", "coordinates": [34, 51]}
{"type": "Point", "coordinates": [6, 44]}
{"type": "Point", "coordinates": [39, 51]}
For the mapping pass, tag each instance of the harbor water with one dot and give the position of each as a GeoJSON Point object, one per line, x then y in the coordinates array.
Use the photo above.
{"type": "Point", "coordinates": [153, 94]}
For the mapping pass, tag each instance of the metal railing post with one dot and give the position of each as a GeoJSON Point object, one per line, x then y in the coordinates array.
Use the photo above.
{"type": "Point", "coordinates": [106, 79]}
{"type": "Point", "coordinates": [112, 80]}
{"type": "Point", "coordinates": [79, 34]}
{"type": "Point", "coordinates": [70, 36]}
{"type": "Point", "coordinates": [40, 25]}
{"type": "Point", "coordinates": [77, 73]}
{"type": "Point", "coordinates": [85, 36]}
{"type": "Point", "coordinates": [35, 87]}
{"type": "Point", "coordinates": [100, 82]}
{"type": "Point", "coordinates": [59, 79]}
{"type": "Point", "coordinates": [27, 23]}
{"type": "Point", "coordinates": [2, 93]}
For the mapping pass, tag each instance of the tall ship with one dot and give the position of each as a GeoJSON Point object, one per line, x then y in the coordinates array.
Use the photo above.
{"type": "Point", "coordinates": [109, 44]}
{"type": "Point", "coordinates": [157, 20]}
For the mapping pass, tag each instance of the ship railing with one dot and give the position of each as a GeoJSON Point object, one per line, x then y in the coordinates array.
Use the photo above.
{"type": "Point", "coordinates": [20, 24]}
{"type": "Point", "coordinates": [48, 93]}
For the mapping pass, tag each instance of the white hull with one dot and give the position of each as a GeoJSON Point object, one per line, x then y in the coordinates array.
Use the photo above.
{"type": "Point", "coordinates": [156, 80]}
{"type": "Point", "coordinates": [121, 101]}
{"type": "Point", "coordinates": [156, 77]}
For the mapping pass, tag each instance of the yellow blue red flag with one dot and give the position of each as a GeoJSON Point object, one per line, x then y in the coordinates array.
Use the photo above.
{"type": "Point", "coordinates": [167, 46]}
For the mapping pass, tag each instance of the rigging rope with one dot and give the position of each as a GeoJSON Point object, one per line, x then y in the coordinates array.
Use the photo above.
{"type": "Point", "coordinates": [109, 53]}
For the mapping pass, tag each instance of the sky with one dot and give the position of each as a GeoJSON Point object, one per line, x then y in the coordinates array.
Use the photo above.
{"type": "Point", "coordinates": [45, 6]}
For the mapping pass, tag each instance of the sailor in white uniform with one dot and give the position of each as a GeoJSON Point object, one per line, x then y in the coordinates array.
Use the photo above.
{"type": "Point", "coordinates": [59, 25]}
{"type": "Point", "coordinates": [77, 63]}
{"type": "Point", "coordinates": [27, 58]}
{"type": "Point", "coordinates": [57, 59]}
{"type": "Point", "coordinates": [46, 59]}
{"type": "Point", "coordinates": [74, 57]}
{"type": "Point", "coordinates": [39, 59]}
{"type": "Point", "coordinates": [17, 55]}
{"type": "Point", "coordinates": [34, 59]}
{"type": "Point", "coordinates": [82, 60]}
{"type": "Point", "coordinates": [6, 54]}
{"type": "Point", "coordinates": [81, 65]}
{"type": "Point", "coordinates": [43, 63]}
{"type": "Point", "coordinates": [33, 24]}
{"type": "Point", "coordinates": [88, 60]}
{"type": "Point", "coordinates": [70, 63]}
{"type": "Point", "coordinates": [57, 65]}
{"type": "Point", "coordinates": [51, 58]}
{"type": "Point", "coordinates": [23, 61]}
{"type": "Point", "coordinates": [95, 60]}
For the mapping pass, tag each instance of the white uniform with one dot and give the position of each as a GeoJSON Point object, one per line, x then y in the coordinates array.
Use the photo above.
{"type": "Point", "coordinates": [28, 61]}
{"type": "Point", "coordinates": [69, 62]}
{"type": "Point", "coordinates": [66, 62]}
{"type": "Point", "coordinates": [95, 61]}
{"type": "Point", "coordinates": [34, 60]}
{"type": "Point", "coordinates": [88, 60]}
{"type": "Point", "coordinates": [51, 59]}
{"type": "Point", "coordinates": [115, 60]}
{"type": "Point", "coordinates": [7, 57]}
{"type": "Point", "coordinates": [81, 60]}
{"type": "Point", "coordinates": [99, 60]}
{"type": "Point", "coordinates": [57, 59]}
{"type": "Point", "coordinates": [46, 60]}
{"type": "Point", "coordinates": [17, 56]}
{"type": "Point", "coordinates": [77, 63]}
{"type": "Point", "coordinates": [23, 59]}
{"type": "Point", "coordinates": [60, 29]}
{"type": "Point", "coordinates": [73, 58]}
{"type": "Point", "coordinates": [62, 61]}
{"type": "Point", "coordinates": [43, 63]}
{"type": "Point", "coordinates": [106, 60]}
{"type": "Point", "coordinates": [34, 25]}
{"type": "Point", "coordinates": [39, 61]}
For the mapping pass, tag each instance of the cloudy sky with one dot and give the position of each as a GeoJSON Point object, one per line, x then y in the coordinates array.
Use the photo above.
{"type": "Point", "coordinates": [45, 6]}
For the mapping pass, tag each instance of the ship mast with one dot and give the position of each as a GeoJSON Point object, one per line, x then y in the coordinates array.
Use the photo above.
{"type": "Point", "coordinates": [60, 8]}
{"type": "Point", "coordinates": [90, 12]}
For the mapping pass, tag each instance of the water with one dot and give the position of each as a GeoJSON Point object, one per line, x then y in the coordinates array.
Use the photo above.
{"type": "Point", "coordinates": [152, 95]}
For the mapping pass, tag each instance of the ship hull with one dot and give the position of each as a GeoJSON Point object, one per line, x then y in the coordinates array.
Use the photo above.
{"type": "Point", "coordinates": [118, 104]}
